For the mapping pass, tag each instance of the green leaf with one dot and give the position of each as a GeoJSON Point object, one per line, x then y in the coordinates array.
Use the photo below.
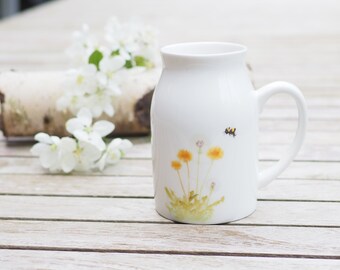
{"type": "Point", "coordinates": [128, 64]}
{"type": "Point", "coordinates": [142, 62]}
{"type": "Point", "coordinates": [95, 58]}
{"type": "Point", "coordinates": [114, 53]}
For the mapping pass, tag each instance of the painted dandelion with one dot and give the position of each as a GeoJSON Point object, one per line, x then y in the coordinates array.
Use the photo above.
{"type": "Point", "coordinates": [193, 205]}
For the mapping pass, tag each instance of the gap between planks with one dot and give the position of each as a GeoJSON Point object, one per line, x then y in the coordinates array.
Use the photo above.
{"type": "Point", "coordinates": [287, 213]}
{"type": "Point", "coordinates": [94, 260]}
{"type": "Point", "coordinates": [142, 187]}
{"type": "Point", "coordinates": [141, 168]}
{"type": "Point", "coordinates": [172, 252]}
{"type": "Point", "coordinates": [329, 153]}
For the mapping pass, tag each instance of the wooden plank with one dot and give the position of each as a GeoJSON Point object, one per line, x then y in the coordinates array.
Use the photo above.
{"type": "Point", "coordinates": [143, 167]}
{"type": "Point", "coordinates": [309, 190]}
{"type": "Point", "coordinates": [110, 186]}
{"type": "Point", "coordinates": [308, 170]}
{"type": "Point", "coordinates": [172, 238]}
{"type": "Point", "coordinates": [32, 166]}
{"type": "Point", "coordinates": [314, 100]}
{"type": "Point", "coordinates": [71, 185]}
{"type": "Point", "coordinates": [332, 113]}
{"type": "Point", "coordinates": [310, 152]}
{"type": "Point", "coordinates": [288, 125]}
{"type": "Point", "coordinates": [54, 260]}
{"type": "Point", "coordinates": [142, 210]}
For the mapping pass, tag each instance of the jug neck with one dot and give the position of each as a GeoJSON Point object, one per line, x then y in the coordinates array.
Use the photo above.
{"type": "Point", "coordinates": [203, 54]}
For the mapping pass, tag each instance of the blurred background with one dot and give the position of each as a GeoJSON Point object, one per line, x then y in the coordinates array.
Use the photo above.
{"type": "Point", "coordinates": [11, 7]}
{"type": "Point", "coordinates": [289, 40]}
{"type": "Point", "coordinates": [294, 41]}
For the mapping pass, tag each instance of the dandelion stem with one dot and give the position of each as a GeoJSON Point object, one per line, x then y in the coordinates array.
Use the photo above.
{"type": "Point", "coordinates": [198, 169]}
{"type": "Point", "coordinates": [210, 192]}
{"type": "Point", "coordinates": [181, 182]}
{"type": "Point", "coordinates": [206, 177]}
{"type": "Point", "coordinates": [188, 170]}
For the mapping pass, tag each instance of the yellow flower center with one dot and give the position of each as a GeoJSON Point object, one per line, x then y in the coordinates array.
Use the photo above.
{"type": "Point", "coordinates": [54, 147]}
{"type": "Point", "coordinates": [99, 92]}
{"type": "Point", "coordinates": [77, 152]}
{"type": "Point", "coordinates": [88, 129]}
{"type": "Point", "coordinates": [80, 79]}
{"type": "Point", "coordinates": [74, 100]}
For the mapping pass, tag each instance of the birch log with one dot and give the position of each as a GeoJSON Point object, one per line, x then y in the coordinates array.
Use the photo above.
{"type": "Point", "coordinates": [28, 104]}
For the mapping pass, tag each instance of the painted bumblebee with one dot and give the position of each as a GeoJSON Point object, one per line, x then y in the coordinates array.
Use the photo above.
{"type": "Point", "coordinates": [230, 131]}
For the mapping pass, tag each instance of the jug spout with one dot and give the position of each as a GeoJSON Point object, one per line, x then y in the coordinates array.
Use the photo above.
{"type": "Point", "coordinates": [193, 54]}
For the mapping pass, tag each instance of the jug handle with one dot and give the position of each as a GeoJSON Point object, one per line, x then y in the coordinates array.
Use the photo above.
{"type": "Point", "coordinates": [263, 94]}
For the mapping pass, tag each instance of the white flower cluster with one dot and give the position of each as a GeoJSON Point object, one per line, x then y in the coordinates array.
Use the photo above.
{"type": "Point", "coordinates": [90, 87]}
{"type": "Point", "coordinates": [85, 151]}
{"type": "Point", "coordinates": [100, 69]}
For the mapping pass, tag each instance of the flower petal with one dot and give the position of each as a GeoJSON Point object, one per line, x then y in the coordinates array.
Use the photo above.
{"type": "Point", "coordinates": [116, 63]}
{"type": "Point", "coordinates": [67, 162]}
{"type": "Point", "coordinates": [90, 69]}
{"type": "Point", "coordinates": [104, 65]}
{"type": "Point", "coordinates": [101, 77]}
{"type": "Point", "coordinates": [108, 109]}
{"type": "Point", "coordinates": [102, 162]}
{"type": "Point", "coordinates": [67, 145]}
{"type": "Point", "coordinates": [48, 159]}
{"type": "Point", "coordinates": [39, 148]}
{"type": "Point", "coordinates": [103, 127]}
{"type": "Point", "coordinates": [115, 143]}
{"type": "Point", "coordinates": [96, 140]}
{"type": "Point", "coordinates": [85, 116]}
{"type": "Point", "coordinates": [74, 124]}
{"type": "Point", "coordinates": [62, 103]}
{"type": "Point", "coordinates": [125, 144]}
{"type": "Point", "coordinates": [55, 140]}
{"type": "Point", "coordinates": [114, 89]}
{"type": "Point", "coordinates": [43, 138]}
{"type": "Point", "coordinates": [97, 111]}
{"type": "Point", "coordinates": [90, 152]}
{"type": "Point", "coordinates": [113, 156]}
{"type": "Point", "coordinates": [81, 135]}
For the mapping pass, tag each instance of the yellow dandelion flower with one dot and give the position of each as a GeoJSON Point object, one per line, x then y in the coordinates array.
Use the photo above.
{"type": "Point", "coordinates": [215, 153]}
{"type": "Point", "coordinates": [176, 165]}
{"type": "Point", "coordinates": [184, 155]}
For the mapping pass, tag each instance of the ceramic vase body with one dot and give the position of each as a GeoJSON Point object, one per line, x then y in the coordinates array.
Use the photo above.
{"type": "Point", "coordinates": [204, 119]}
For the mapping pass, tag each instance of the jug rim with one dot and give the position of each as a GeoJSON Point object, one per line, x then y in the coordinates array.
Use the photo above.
{"type": "Point", "coordinates": [203, 49]}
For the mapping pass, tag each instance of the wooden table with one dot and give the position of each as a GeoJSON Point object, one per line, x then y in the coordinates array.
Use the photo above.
{"type": "Point", "coordinates": [105, 221]}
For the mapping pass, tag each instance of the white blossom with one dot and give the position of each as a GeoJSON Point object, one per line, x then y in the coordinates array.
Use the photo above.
{"type": "Point", "coordinates": [79, 156]}
{"type": "Point", "coordinates": [83, 79]}
{"type": "Point", "coordinates": [83, 45]}
{"type": "Point", "coordinates": [114, 152]}
{"type": "Point", "coordinates": [47, 149]}
{"type": "Point", "coordinates": [91, 89]}
{"type": "Point", "coordinates": [121, 36]}
{"type": "Point", "coordinates": [101, 70]}
{"type": "Point", "coordinates": [134, 39]}
{"type": "Point", "coordinates": [81, 128]}
{"type": "Point", "coordinates": [109, 65]}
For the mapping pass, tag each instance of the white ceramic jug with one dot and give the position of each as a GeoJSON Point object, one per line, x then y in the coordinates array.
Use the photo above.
{"type": "Point", "coordinates": [204, 123]}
